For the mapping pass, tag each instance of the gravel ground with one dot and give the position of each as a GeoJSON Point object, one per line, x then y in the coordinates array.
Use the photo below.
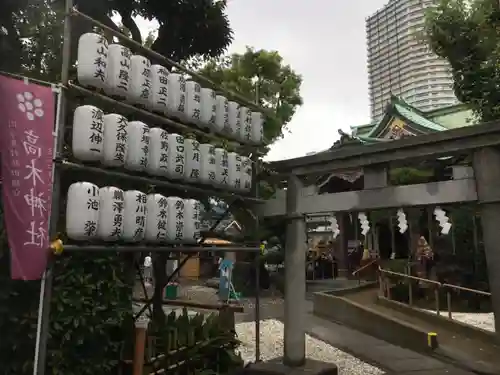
{"type": "Point", "coordinates": [271, 346]}
{"type": "Point", "coordinates": [484, 321]}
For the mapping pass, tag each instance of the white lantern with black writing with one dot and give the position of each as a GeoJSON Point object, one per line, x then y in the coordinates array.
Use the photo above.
{"type": "Point", "coordinates": [175, 222]}
{"type": "Point", "coordinates": [118, 74]}
{"type": "Point", "coordinates": [257, 127]}
{"type": "Point", "coordinates": [234, 127]}
{"type": "Point", "coordinates": [115, 140]}
{"type": "Point", "coordinates": [192, 216]}
{"type": "Point", "coordinates": [247, 173]}
{"type": "Point", "coordinates": [208, 168]}
{"type": "Point", "coordinates": [222, 168]}
{"type": "Point", "coordinates": [221, 113]}
{"type": "Point", "coordinates": [140, 81]}
{"type": "Point", "coordinates": [82, 211]}
{"type": "Point", "coordinates": [158, 152]}
{"type": "Point", "coordinates": [138, 146]}
{"type": "Point", "coordinates": [193, 160]}
{"type": "Point", "coordinates": [92, 60]}
{"type": "Point", "coordinates": [159, 89]}
{"type": "Point", "coordinates": [134, 216]}
{"type": "Point", "coordinates": [208, 107]}
{"type": "Point", "coordinates": [193, 102]}
{"type": "Point", "coordinates": [156, 218]}
{"type": "Point", "coordinates": [111, 204]}
{"type": "Point", "coordinates": [246, 124]}
{"type": "Point", "coordinates": [234, 165]}
{"type": "Point", "coordinates": [87, 142]}
{"type": "Point", "coordinates": [176, 95]}
{"type": "Point", "coordinates": [176, 156]}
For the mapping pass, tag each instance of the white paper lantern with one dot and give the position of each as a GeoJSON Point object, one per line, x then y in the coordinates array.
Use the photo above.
{"type": "Point", "coordinates": [118, 72]}
{"type": "Point", "coordinates": [87, 140]}
{"type": "Point", "coordinates": [176, 219]}
{"type": "Point", "coordinates": [208, 107]}
{"type": "Point", "coordinates": [193, 160]}
{"type": "Point", "coordinates": [222, 168]}
{"type": "Point", "coordinates": [115, 140]}
{"type": "Point", "coordinates": [92, 60]}
{"type": "Point", "coordinates": [221, 113]}
{"type": "Point", "coordinates": [192, 215]}
{"type": "Point", "coordinates": [246, 175]}
{"type": "Point", "coordinates": [246, 124]}
{"type": "Point", "coordinates": [158, 152]}
{"type": "Point", "coordinates": [134, 216]}
{"type": "Point", "coordinates": [193, 102]}
{"type": "Point", "coordinates": [176, 156]}
{"type": "Point", "coordinates": [176, 95]}
{"type": "Point", "coordinates": [234, 127]}
{"type": "Point", "coordinates": [257, 127]}
{"type": "Point", "coordinates": [111, 206]}
{"type": "Point", "coordinates": [234, 163]}
{"type": "Point", "coordinates": [159, 89]}
{"type": "Point", "coordinates": [156, 218]}
{"type": "Point", "coordinates": [208, 164]}
{"type": "Point", "coordinates": [140, 81]}
{"type": "Point", "coordinates": [138, 146]}
{"type": "Point", "coordinates": [82, 211]}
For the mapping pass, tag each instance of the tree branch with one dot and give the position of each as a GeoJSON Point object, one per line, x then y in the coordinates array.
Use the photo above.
{"type": "Point", "coordinates": [130, 24]}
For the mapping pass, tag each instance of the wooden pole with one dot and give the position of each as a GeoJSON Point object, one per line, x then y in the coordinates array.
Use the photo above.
{"type": "Point", "coordinates": [140, 346]}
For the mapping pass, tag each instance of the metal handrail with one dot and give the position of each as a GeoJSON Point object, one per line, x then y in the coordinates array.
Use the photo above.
{"type": "Point", "coordinates": [437, 283]}
{"type": "Point", "coordinates": [385, 290]}
{"type": "Point", "coordinates": [364, 267]}
{"type": "Point", "coordinates": [481, 292]}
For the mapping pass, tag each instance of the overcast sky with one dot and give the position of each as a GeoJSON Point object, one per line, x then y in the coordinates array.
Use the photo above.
{"type": "Point", "coordinates": [324, 41]}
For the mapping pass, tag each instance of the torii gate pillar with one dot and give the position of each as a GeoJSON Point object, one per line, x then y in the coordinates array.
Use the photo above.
{"type": "Point", "coordinates": [295, 278]}
{"type": "Point", "coordinates": [486, 164]}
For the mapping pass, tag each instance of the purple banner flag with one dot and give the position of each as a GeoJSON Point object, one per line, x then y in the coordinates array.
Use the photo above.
{"type": "Point", "coordinates": [26, 140]}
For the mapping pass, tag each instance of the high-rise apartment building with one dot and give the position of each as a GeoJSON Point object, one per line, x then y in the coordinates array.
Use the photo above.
{"type": "Point", "coordinates": [400, 64]}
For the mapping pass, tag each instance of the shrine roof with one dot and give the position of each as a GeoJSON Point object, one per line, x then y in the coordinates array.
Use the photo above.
{"type": "Point", "coordinates": [417, 119]}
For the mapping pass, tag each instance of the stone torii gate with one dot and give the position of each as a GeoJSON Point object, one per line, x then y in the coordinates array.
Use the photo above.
{"type": "Point", "coordinates": [479, 182]}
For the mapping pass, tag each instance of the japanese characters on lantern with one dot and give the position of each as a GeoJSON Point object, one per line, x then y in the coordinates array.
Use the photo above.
{"type": "Point", "coordinates": [138, 146]}
{"type": "Point", "coordinates": [140, 81]}
{"type": "Point", "coordinates": [193, 160]}
{"type": "Point", "coordinates": [115, 140]}
{"type": "Point", "coordinates": [176, 156]}
{"type": "Point", "coordinates": [158, 152]}
{"type": "Point", "coordinates": [87, 142]}
{"type": "Point", "coordinates": [82, 211]}
{"type": "Point", "coordinates": [193, 102]}
{"type": "Point", "coordinates": [234, 166]}
{"type": "Point", "coordinates": [207, 164]}
{"type": "Point", "coordinates": [134, 216]}
{"type": "Point", "coordinates": [118, 72]}
{"type": "Point", "coordinates": [156, 218]}
{"type": "Point", "coordinates": [92, 60]}
{"type": "Point", "coordinates": [221, 168]}
{"type": "Point", "coordinates": [221, 113]}
{"type": "Point", "coordinates": [175, 219]}
{"type": "Point", "coordinates": [111, 207]}
{"type": "Point", "coordinates": [159, 90]}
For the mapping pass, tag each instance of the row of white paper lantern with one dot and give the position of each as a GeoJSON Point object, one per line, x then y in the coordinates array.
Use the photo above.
{"type": "Point", "coordinates": [111, 214]}
{"type": "Point", "coordinates": [115, 142]}
{"type": "Point", "coordinates": [122, 75]}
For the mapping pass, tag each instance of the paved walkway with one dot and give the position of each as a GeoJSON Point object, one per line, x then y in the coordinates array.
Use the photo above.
{"type": "Point", "coordinates": [390, 358]}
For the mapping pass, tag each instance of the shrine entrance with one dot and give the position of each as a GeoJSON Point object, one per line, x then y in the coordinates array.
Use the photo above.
{"type": "Point", "coordinates": [466, 162]}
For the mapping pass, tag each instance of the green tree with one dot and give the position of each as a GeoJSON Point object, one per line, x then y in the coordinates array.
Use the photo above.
{"type": "Point", "coordinates": [91, 293]}
{"type": "Point", "coordinates": [467, 34]}
{"type": "Point", "coordinates": [263, 76]}
{"type": "Point", "coordinates": [186, 28]}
